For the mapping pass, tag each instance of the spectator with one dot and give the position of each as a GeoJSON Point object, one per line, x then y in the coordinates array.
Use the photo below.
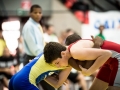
{"type": "Point", "coordinates": [32, 34]}
{"type": "Point", "coordinates": [2, 43]}
{"type": "Point", "coordinates": [7, 69]}
{"type": "Point", "coordinates": [49, 34]}
{"type": "Point", "coordinates": [64, 35]}
{"type": "Point", "coordinates": [101, 28]}
{"type": "Point", "coordinates": [21, 51]}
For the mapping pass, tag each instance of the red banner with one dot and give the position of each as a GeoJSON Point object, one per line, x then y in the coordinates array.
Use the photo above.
{"type": "Point", "coordinates": [26, 4]}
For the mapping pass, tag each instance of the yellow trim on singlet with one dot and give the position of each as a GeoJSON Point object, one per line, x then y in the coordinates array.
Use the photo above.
{"type": "Point", "coordinates": [39, 68]}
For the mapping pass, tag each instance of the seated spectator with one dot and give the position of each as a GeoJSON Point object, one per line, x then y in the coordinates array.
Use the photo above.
{"type": "Point", "coordinates": [2, 43]}
{"type": "Point", "coordinates": [7, 69]}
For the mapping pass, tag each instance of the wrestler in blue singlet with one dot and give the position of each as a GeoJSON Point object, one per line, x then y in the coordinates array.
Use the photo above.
{"type": "Point", "coordinates": [31, 74]}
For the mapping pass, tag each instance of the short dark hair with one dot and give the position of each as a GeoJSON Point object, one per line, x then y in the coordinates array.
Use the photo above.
{"type": "Point", "coordinates": [52, 51]}
{"type": "Point", "coordinates": [72, 38]}
{"type": "Point", "coordinates": [34, 6]}
{"type": "Point", "coordinates": [47, 26]}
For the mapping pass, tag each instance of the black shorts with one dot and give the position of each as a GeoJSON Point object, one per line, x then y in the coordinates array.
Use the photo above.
{"type": "Point", "coordinates": [73, 77]}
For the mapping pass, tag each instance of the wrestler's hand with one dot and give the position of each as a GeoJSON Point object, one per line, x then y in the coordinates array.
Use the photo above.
{"type": "Point", "coordinates": [56, 77]}
{"type": "Point", "coordinates": [85, 71]}
{"type": "Point", "coordinates": [30, 60]}
{"type": "Point", "coordinates": [97, 41]}
{"type": "Point", "coordinates": [66, 82]}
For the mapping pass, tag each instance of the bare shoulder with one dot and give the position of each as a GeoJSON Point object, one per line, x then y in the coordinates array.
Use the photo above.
{"type": "Point", "coordinates": [84, 44]}
{"type": "Point", "coordinates": [76, 51]}
{"type": "Point", "coordinates": [78, 46]}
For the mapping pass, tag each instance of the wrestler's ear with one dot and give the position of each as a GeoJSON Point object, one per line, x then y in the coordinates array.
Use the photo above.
{"type": "Point", "coordinates": [63, 53]}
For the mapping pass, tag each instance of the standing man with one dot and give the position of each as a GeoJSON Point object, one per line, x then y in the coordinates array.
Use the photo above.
{"type": "Point", "coordinates": [33, 38]}
{"type": "Point", "coordinates": [32, 34]}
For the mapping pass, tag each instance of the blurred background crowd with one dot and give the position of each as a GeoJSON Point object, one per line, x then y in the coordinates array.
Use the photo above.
{"type": "Point", "coordinates": [60, 18]}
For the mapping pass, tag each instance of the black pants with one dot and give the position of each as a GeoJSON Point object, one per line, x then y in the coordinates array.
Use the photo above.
{"type": "Point", "coordinates": [1, 85]}
{"type": "Point", "coordinates": [44, 84]}
{"type": "Point", "coordinates": [27, 58]}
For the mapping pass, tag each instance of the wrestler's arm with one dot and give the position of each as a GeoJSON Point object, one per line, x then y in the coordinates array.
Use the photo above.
{"type": "Point", "coordinates": [56, 83]}
{"type": "Point", "coordinates": [100, 55]}
{"type": "Point", "coordinates": [98, 41]}
{"type": "Point", "coordinates": [86, 64]}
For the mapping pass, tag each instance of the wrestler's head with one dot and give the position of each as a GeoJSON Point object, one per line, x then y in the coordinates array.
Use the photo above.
{"type": "Point", "coordinates": [72, 38]}
{"type": "Point", "coordinates": [56, 54]}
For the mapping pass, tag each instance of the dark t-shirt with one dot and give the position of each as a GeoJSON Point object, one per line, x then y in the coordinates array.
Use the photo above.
{"type": "Point", "coordinates": [7, 62]}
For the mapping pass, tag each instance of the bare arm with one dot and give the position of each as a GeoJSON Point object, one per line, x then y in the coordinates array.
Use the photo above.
{"type": "Point", "coordinates": [86, 64]}
{"type": "Point", "coordinates": [7, 70]}
{"type": "Point", "coordinates": [100, 55]}
{"type": "Point", "coordinates": [3, 69]}
{"type": "Point", "coordinates": [97, 43]}
{"type": "Point", "coordinates": [56, 83]}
